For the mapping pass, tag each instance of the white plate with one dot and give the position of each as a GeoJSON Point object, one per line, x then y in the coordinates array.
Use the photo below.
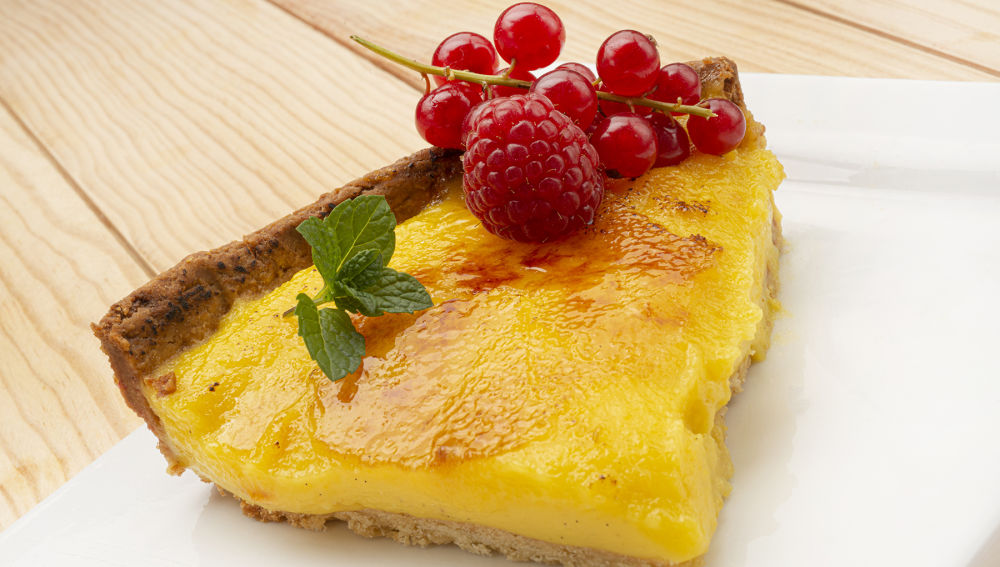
{"type": "Point", "coordinates": [868, 437]}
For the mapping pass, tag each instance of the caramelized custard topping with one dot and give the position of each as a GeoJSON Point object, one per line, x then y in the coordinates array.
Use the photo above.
{"type": "Point", "coordinates": [581, 378]}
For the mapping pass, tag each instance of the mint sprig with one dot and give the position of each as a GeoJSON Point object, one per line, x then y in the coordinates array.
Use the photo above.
{"type": "Point", "coordinates": [350, 249]}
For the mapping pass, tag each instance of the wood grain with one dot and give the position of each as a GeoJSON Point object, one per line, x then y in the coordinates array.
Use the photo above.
{"type": "Point", "coordinates": [59, 269]}
{"type": "Point", "coordinates": [964, 30]}
{"type": "Point", "coordinates": [765, 36]}
{"type": "Point", "coordinates": [191, 123]}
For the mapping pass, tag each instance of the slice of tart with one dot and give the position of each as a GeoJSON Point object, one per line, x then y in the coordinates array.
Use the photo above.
{"type": "Point", "coordinates": [561, 402]}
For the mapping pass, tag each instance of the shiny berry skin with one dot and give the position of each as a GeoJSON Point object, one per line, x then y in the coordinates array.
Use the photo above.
{"type": "Point", "coordinates": [530, 174]}
{"type": "Point", "coordinates": [465, 51]}
{"type": "Point", "coordinates": [626, 144]}
{"type": "Point", "coordinates": [571, 93]}
{"type": "Point", "coordinates": [530, 34]}
{"type": "Point", "coordinates": [517, 73]}
{"type": "Point", "coordinates": [440, 113]}
{"type": "Point", "coordinates": [677, 80]}
{"type": "Point", "coordinates": [610, 107]}
{"type": "Point", "coordinates": [672, 144]}
{"type": "Point", "coordinates": [580, 68]}
{"type": "Point", "coordinates": [720, 134]}
{"type": "Point", "coordinates": [628, 63]}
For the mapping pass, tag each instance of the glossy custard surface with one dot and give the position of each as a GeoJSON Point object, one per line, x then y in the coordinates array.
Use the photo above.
{"type": "Point", "coordinates": [568, 392]}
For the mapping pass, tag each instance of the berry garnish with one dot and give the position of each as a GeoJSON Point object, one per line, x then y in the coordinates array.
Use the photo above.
{"type": "Point", "coordinates": [626, 144]}
{"type": "Point", "coordinates": [515, 84]}
{"type": "Point", "coordinates": [519, 73]}
{"type": "Point", "coordinates": [672, 145]}
{"type": "Point", "coordinates": [677, 81]}
{"type": "Point", "coordinates": [530, 35]}
{"type": "Point", "coordinates": [466, 51]}
{"type": "Point", "coordinates": [571, 93]}
{"type": "Point", "coordinates": [720, 134]}
{"type": "Point", "coordinates": [530, 173]}
{"type": "Point", "coordinates": [610, 107]}
{"type": "Point", "coordinates": [628, 63]}
{"type": "Point", "coordinates": [580, 68]}
{"type": "Point", "coordinates": [440, 113]}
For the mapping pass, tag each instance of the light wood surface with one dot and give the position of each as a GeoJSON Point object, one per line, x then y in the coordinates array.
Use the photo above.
{"type": "Point", "coordinates": [966, 32]}
{"type": "Point", "coordinates": [135, 132]}
{"type": "Point", "coordinates": [61, 267]}
{"type": "Point", "coordinates": [192, 123]}
{"type": "Point", "coordinates": [763, 36]}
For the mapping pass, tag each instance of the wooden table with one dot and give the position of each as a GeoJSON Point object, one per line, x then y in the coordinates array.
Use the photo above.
{"type": "Point", "coordinates": [135, 132]}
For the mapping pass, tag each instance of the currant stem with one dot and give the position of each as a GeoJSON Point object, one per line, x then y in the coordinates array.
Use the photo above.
{"type": "Point", "coordinates": [504, 81]}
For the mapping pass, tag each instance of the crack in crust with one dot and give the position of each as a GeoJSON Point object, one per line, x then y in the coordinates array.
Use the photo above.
{"type": "Point", "coordinates": [185, 304]}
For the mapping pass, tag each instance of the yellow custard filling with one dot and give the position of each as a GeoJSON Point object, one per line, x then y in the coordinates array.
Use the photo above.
{"type": "Point", "coordinates": [568, 392]}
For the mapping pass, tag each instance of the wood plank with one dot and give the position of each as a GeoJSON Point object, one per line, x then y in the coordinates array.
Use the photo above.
{"type": "Point", "coordinates": [966, 30]}
{"type": "Point", "coordinates": [61, 267]}
{"type": "Point", "coordinates": [191, 123]}
{"type": "Point", "coordinates": [763, 36]}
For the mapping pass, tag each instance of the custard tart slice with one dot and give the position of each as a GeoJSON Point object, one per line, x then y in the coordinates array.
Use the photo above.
{"type": "Point", "coordinates": [560, 402]}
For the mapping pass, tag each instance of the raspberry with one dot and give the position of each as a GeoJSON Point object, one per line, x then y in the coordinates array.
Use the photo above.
{"type": "Point", "coordinates": [530, 173]}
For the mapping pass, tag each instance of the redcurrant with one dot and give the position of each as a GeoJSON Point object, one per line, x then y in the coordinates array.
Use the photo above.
{"type": "Point", "coordinates": [530, 34]}
{"type": "Point", "coordinates": [677, 81]}
{"type": "Point", "coordinates": [720, 134]}
{"type": "Point", "coordinates": [441, 112]}
{"type": "Point", "coordinates": [628, 63]}
{"type": "Point", "coordinates": [580, 68]}
{"type": "Point", "coordinates": [672, 145]}
{"type": "Point", "coordinates": [626, 144]}
{"type": "Point", "coordinates": [518, 73]}
{"type": "Point", "coordinates": [571, 93]}
{"type": "Point", "coordinates": [465, 51]}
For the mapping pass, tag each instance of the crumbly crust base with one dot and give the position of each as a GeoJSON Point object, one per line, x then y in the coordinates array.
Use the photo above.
{"type": "Point", "coordinates": [185, 304]}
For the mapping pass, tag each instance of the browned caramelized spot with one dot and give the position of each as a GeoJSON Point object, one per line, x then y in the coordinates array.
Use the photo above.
{"type": "Point", "coordinates": [419, 405]}
{"type": "Point", "coordinates": [685, 206]}
{"type": "Point", "coordinates": [620, 240]}
{"type": "Point", "coordinates": [163, 385]}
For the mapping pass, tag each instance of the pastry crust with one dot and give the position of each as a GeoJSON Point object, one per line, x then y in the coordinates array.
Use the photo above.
{"type": "Point", "coordinates": [186, 303]}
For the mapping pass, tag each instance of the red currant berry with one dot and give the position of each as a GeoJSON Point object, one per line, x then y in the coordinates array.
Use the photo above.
{"type": "Point", "coordinates": [529, 33]}
{"type": "Point", "coordinates": [571, 93]}
{"type": "Point", "coordinates": [672, 145]}
{"type": "Point", "coordinates": [720, 134]}
{"type": "Point", "coordinates": [677, 80]}
{"type": "Point", "coordinates": [465, 51]}
{"type": "Point", "coordinates": [530, 174]}
{"type": "Point", "coordinates": [440, 113]}
{"type": "Point", "coordinates": [626, 144]}
{"type": "Point", "coordinates": [580, 68]}
{"type": "Point", "coordinates": [517, 73]}
{"type": "Point", "coordinates": [610, 107]}
{"type": "Point", "coordinates": [628, 63]}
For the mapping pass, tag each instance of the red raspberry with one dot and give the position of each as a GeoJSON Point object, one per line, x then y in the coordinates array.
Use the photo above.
{"type": "Point", "coordinates": [530, 173]}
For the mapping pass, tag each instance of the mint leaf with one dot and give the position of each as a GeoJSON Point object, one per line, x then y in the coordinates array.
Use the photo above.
{"type": "Point", "coordinates": [351, 248]}
{"type": "Point", "coordinates": [325, 247]}
{"type": "Point", "coordinates": [361, 269]}
{"type": "Point", "coordinates": [362, 223]}
{"type": "Point", "coordinates": [355, 300]}
{"type": "Point", "coordinates": [330, 337]}
{"type": "Point", "coordinates": [367, 223]}
{"type": "Point", "coordinates": [396, 292]}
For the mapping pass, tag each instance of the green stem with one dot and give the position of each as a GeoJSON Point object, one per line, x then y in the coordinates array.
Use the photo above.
{"type": "Point", "coordinates": [508, 82]}
{"type": "Point", "coordinates": [316, 299]}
